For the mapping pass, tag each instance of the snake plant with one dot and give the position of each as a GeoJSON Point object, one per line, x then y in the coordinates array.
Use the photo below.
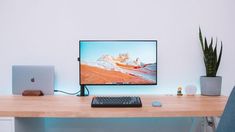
{"type": "Point", "coordinates": [211, 60]}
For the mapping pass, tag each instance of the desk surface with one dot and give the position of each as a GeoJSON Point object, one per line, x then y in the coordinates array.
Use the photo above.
{"type": "Point", "coordinates": [71, 106]}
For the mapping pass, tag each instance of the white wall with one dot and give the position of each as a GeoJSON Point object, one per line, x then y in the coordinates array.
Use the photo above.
{"type": "Point", "coordinates": [47, 32]}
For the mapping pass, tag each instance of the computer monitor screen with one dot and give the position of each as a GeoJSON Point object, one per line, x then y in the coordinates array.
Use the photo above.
{"type": "Point", "coordinates": [132, 62]}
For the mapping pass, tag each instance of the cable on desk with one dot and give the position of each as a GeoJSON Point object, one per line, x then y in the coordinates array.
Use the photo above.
{"type": "Point", "coordinates": [76, 93]}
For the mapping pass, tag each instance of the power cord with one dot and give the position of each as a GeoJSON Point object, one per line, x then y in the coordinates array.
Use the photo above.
{"type": "Point", "coordinates": [76, 93]}
{"type": "Point", "coordinates": [60, 91]}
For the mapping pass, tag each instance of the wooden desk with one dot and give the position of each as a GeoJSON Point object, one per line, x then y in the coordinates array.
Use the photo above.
{"type": "Point", "coordinates": [79, 107]}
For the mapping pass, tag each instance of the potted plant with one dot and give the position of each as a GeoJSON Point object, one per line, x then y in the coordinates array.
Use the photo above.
{"type": "Point", "coordinates": [210, 84]}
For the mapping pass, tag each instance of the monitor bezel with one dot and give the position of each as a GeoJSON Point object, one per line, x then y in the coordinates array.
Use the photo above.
{"type": "Point", "coordinates": [79, 59]}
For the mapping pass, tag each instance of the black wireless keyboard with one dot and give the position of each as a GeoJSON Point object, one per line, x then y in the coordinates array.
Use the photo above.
{"type": "Point", "coordinates": [116, 102]}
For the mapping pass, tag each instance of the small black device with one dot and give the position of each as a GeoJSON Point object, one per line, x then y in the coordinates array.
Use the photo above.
{"type": "Point", "coordinates": [120, 101]}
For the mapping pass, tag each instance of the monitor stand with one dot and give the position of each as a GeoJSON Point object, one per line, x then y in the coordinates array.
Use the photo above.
{"type": "Point", "coordinates": [82, 90]}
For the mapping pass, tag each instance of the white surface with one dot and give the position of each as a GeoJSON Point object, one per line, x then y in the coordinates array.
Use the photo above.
{"type": "Point", "coordinates": [47, 32]}
{"type": "Point", "coordinates": [6, 124]}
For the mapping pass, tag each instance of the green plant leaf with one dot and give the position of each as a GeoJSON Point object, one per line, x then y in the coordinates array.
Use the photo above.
{"type": "Point", "coordinates": [220, 54]}
{"type": "Point", "coordinates": [215, 55]}
{"type": "Point", "coordinates": [211, 41]}
{"type": "Point", "coordinates": [201, 39]}
{"type": "Point", "coordinates": [211, 62]}
{"type": "Point", "coordinates": [211, 47]}
{"type": "Point", "coordinates": [206, 46]}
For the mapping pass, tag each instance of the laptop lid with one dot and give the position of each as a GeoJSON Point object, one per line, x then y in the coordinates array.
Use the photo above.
{"type": "Point", "coordinates": [25, 77]}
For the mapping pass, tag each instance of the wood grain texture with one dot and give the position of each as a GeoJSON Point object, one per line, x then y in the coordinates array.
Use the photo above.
{"type": "Point", "coordinates": [71, 106]}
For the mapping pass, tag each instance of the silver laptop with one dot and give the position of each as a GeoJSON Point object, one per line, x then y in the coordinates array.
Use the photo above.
{"type": "Point", "coordinates": [25, 77]}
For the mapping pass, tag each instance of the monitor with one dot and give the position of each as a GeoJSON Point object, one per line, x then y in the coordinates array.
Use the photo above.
{"type": "Point", "coordinates": [118, 62]}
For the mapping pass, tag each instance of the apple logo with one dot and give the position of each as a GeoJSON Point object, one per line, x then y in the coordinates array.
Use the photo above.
{"type": "Point", "coordinates": [32, 80]}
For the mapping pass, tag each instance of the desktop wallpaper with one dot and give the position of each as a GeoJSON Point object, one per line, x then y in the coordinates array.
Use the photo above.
{"type": "Point", "coordinates": [118, 62]}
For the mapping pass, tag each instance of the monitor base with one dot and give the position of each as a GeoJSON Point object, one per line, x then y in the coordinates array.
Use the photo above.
{"type": "Point", "coordinates": [82, 91]}
{"type": "Point", "coordinates": [79, 95]}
